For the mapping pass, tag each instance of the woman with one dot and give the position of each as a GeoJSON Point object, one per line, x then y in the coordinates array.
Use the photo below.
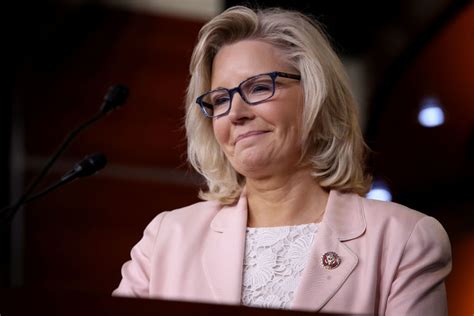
{"type": "Point", "coordinates": [272, 126]}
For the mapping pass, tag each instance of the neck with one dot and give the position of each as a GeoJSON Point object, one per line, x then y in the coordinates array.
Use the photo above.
{"type": "Point", "coordinates": [285, 200]}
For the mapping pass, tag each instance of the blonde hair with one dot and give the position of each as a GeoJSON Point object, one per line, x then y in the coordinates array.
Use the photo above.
{"type": "Point", "coordinates": [331, 136]}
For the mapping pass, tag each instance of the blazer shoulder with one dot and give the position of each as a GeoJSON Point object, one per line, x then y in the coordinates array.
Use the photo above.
{"type": "Point", "coordinates": [188, 216]}
{"type": "Point", "coordinates": [397, 219]}
{"type": "Point", "coordinates": [390, 210]}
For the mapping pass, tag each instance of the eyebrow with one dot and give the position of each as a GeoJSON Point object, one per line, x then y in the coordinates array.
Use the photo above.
{"type": "Point", "coordinates": [256, 75]}
{"type": "Point", "coordinates": [220, 87]}
{"type": "Point", "coordinates": [217, 88]}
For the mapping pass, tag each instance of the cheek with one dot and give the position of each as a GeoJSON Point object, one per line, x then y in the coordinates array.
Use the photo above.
{"type": "Point", "coordinates": [220, 132]}
{"type": "Point", "coordinates": [285, 117]}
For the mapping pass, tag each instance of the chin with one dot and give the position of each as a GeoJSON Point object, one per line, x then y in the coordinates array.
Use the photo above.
{"type": "Point", "coordinates": [249, 165]}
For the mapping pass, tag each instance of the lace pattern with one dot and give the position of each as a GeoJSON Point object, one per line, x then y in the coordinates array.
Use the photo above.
{"type": "Point", "coordinates": [275, 258]}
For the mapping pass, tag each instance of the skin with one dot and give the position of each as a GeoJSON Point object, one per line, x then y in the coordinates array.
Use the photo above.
{"type": "Point", "coordinates": [262, 142]}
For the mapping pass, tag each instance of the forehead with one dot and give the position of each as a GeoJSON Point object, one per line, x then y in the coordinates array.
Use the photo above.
{"type": "Point", "coordinates": [238, 61]}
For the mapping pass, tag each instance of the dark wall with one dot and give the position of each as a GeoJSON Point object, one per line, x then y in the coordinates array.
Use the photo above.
{"type": "Point", "coordinates": [78, 237]}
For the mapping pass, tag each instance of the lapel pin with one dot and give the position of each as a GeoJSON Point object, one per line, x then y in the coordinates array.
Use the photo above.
{"type": "Point", "coordinates": [330, 260]}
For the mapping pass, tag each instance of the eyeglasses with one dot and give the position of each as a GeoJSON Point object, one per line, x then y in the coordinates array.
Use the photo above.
{"type": "Point", "coordinates": [254, 90]}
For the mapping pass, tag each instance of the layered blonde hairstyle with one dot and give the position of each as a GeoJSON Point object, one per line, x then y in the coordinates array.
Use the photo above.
{"type": "Point", "coordinates": [332, 140]}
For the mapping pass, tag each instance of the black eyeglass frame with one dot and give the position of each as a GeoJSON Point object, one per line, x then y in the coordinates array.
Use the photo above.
{"type": "Point", "coordinates": [231, 92]}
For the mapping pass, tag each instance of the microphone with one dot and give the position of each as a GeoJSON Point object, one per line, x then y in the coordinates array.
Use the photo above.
{"type": "Point", "coordinates": [115, 97]}
{"type": "Point", "coordinates": [88, 166]}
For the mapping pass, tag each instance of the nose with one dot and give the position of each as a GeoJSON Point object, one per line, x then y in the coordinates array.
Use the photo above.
{"type": "Point", "coordinates": [240, 111]}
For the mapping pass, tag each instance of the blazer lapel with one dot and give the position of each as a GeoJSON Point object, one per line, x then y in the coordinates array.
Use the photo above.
{"type": "Point", "coordinates": [343, 220]}
{"type": "Point", "coordinates": [224, 250]}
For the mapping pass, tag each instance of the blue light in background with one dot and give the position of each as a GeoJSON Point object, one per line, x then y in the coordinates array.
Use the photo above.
{"type": "Point", "coordinates": [379, 191]}
{"type": "Point", "coordinates": [431, 113]}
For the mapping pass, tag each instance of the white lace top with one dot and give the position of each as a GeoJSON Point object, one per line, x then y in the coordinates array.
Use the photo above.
{"type": "Point", "coordinates": [275, 258]}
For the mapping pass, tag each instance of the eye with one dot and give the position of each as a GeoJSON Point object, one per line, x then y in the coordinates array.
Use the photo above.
{"type": "Point", "coordinates": [260, 87]}
{"type": "Point", "coordinates": [220, 100]}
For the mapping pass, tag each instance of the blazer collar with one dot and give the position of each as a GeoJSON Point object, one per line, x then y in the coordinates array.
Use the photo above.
{"type": "Point", "coordinates": [343, 220]}
{"type": "Point", "coordinates": [231, 217]}
{"type": "Point", "coordinates": [344, 215]}
{"type": "Point", "coordinates": [223, 255]}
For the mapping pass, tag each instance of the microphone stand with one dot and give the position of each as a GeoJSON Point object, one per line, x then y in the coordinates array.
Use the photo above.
{"type": "Point", "coordinates": [9, 214]}
{"type": "Point", "coordinates": [86, 167]}
{"type": "Point", "coordinates": [115, 97]}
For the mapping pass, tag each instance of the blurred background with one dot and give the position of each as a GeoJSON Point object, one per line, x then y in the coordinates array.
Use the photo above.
{"type": "Point", "coordinates": [411, 66]}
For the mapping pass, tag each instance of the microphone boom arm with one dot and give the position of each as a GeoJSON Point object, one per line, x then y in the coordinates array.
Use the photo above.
{"type": "Point", "coordinates": [10, 211]}
{"type": "Point", "coordinates": [114, 98]}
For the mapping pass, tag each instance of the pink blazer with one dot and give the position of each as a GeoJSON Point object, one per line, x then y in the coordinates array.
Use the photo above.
{"type": "Point", "coordinates": [393, 260]}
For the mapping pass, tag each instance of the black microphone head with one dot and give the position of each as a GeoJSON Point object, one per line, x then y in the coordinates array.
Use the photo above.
{"type": "Point", "coordinates": [115, 97]}
{"type": "Point", "coordinates": [90, 165]}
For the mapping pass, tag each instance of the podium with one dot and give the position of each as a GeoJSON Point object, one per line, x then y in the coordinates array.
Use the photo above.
{"type": "Point", "coordinates": [33, 302]}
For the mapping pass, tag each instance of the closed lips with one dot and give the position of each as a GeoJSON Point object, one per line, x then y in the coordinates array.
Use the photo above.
{"type": "Point", "coordinates": [248, 134]}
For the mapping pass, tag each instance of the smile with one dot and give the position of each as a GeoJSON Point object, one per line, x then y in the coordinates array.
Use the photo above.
{"type": "Point", "coordinates": [249, 134]}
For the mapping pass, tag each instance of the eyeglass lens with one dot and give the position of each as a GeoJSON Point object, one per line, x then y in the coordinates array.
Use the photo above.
{"type": "Point", "coordinates": [252, 90]}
